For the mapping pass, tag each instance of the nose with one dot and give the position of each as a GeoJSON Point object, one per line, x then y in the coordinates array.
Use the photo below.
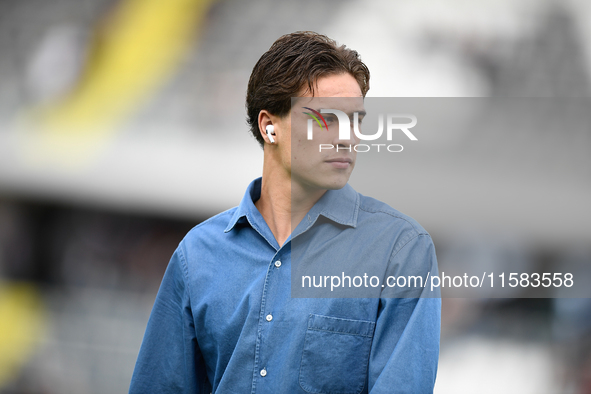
{"type": "Point", "coordinates": [347, 140]}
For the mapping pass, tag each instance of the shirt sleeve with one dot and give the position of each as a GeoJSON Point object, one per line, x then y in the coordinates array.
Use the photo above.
{"type": "Point", "coordinates": [405, 348]}
{"type": "Point", "coordinates": [169, 360]}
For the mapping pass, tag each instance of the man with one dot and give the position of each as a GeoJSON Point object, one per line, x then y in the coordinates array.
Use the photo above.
{"type": "Point", "coordinates": [224, 319]}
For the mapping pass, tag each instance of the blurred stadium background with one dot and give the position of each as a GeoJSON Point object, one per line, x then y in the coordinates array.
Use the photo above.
{"type": "Point", "coordinates": [122, 126]}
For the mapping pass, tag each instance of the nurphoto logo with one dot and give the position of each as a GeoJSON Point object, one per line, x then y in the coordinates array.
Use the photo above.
{"type": "Point", "coordinates": [393, 124]}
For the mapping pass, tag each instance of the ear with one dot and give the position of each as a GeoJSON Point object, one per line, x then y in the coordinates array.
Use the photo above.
{"type": "Point", "coordinates": [265, 119]}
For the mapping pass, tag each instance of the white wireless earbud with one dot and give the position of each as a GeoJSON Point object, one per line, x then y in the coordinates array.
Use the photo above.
{"type": "Point", "coordinates": [270, 130]}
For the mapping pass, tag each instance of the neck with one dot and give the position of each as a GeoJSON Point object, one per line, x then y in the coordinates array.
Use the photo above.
{"type": "Point", "coordinates": [283, 202]}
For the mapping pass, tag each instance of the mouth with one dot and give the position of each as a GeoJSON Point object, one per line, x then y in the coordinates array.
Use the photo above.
{"type": "Point", "coordinates": [340, 162]}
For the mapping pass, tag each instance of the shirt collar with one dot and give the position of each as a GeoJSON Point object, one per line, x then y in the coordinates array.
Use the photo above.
{"type": "Point", "coordinates": [340, 206]}
{"type": "Point", "coordinates": [247, 210]}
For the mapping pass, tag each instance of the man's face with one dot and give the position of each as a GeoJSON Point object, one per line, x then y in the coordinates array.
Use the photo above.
{"type": "Point", "coordinates": [310, 167]}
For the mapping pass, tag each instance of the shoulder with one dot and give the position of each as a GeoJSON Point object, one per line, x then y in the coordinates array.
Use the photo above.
{"type": "Point", "coordinates": [378, 220]}
{"type": "Point", "coordinates": [412, 249]}
{"type": "Point", "coordinates": [380, 211]}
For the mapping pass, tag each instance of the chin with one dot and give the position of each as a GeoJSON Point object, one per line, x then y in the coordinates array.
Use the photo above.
{"type": "Point", "coordinates": [322, 181]}
{"type": "Point", "coordinates": [335, 183]}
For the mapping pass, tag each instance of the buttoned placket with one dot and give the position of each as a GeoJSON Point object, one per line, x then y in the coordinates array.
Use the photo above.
{"type": "Point", "coordinates": [261, 370]}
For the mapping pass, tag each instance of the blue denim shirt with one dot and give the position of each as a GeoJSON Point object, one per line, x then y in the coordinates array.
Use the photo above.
{"type": "Point", "coordinates": [224, 320]}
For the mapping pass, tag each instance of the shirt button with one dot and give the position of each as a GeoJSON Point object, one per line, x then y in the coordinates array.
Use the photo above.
{"type": "Point", "coordinates": [263, 372]}
{"type": "Point", "coordinates": [269, 317]}
{"type": "Point", "coordinates": [278, 264]}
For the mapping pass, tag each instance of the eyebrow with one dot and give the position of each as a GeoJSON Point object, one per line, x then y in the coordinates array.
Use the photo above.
{"type": "Point", "coordinates": [360, 112]}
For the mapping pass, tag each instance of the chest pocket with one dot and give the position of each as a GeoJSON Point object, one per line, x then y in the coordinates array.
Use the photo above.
{"type": "Point", "coordinates": [335, 355]}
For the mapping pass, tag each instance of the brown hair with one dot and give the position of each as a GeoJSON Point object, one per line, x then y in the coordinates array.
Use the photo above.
{"type": "Point", "coordinates": [293, 61]}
